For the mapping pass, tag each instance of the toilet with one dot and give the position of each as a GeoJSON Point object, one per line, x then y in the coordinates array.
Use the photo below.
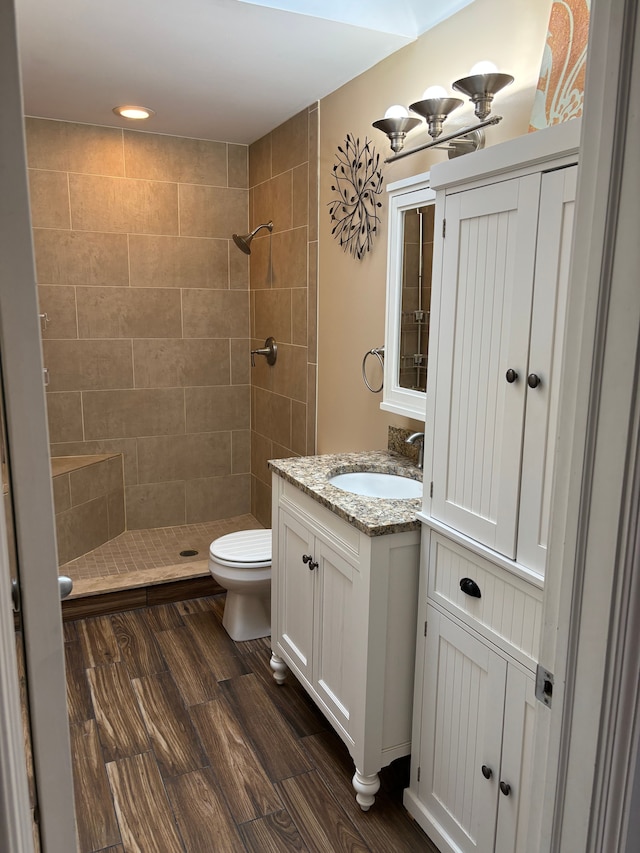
{"type": "Point", "coordinates": [241, 563]}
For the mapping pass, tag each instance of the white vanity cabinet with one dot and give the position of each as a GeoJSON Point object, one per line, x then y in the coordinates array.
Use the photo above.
{"type": "Point", "coordinates": [344, 610]}
{"type": "Point", "coordinates": [504, 222]}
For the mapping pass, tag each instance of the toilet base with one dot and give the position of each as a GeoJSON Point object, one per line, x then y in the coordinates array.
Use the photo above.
{"type": "Point", "coordinates": [246, 617]}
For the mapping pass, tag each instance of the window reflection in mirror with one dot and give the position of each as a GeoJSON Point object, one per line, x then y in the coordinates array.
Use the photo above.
{"type": "Point", "coordinates": [417, 260]}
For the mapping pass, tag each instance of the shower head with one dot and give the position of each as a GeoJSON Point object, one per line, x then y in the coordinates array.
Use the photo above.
{"type": "Point", "coordinates": [244, 242]}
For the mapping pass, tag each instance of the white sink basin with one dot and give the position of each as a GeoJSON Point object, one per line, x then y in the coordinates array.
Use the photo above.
{"type": "Point", "coordinates": [375, 485]}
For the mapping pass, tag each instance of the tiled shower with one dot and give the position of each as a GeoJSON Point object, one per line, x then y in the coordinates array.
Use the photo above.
{"type": "Point", "coordinates": [149, 313]}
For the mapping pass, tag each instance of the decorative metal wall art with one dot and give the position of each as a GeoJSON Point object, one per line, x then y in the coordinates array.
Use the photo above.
{"type": "Point", "coordinates": [358, 182]}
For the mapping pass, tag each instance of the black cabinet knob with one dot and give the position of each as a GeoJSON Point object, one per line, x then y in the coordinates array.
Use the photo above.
{"type": "Point", "coordinates": [511, 375]}
{"type": "Point", "coordinates": [470, 587]}
{"type": "Point", "coordinates": [307, 558]}
{"type": "Point", "coordinates": [533, 380]}
{"type": "Point", "coordinates": [505, 788]}
{"type": "Point", "coordinates": [487, 772]}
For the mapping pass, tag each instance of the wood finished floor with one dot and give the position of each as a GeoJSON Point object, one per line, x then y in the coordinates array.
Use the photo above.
{"type": "Point", "coordinates": [182, 741]}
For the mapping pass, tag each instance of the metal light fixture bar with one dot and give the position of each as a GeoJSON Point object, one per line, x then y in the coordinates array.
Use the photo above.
{"type": "Point", "coordinates": [438, 142]}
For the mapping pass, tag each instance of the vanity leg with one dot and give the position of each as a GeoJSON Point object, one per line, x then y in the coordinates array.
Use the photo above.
{"type": "Point", "coordinates": [366, 788]}
{"type": "Point", "coordinates": [279, 668]}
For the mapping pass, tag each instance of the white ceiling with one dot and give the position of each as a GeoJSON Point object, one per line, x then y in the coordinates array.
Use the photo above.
{"type": "Point", "coordinates": [228, 70]}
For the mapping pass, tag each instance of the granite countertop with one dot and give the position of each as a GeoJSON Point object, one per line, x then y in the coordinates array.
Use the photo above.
{"type": "Point", "coordinates": [373, 516]}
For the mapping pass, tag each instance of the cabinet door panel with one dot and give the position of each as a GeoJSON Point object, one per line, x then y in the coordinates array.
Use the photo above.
{"type": "Point", "coordinates": [557, 203]}
{"type": "Point", "coordinates": [487, 281]}
{"type": "Point", "coordinates": [461, 731]}
{"type": "Point", "coordinates": [517, 746]}
{"type": "Point", "coordinates": [336, 647]}
{"type": "Point", "coordinates": [294, 592]}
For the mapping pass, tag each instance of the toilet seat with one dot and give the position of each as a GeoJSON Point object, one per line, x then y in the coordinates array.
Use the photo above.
{"type": "Point", "coordinates": [243, 549]}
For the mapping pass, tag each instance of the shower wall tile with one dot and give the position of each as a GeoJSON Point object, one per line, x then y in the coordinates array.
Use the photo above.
{"type": "Point", "coordinates": [241, 451]}
{"type": "Point", "coordinates": [81, 529]}
{"type": "Point", "coordinates": [115, 473]}
{"type": "Point", "coordinates": [272, 315]}
{"type": "Point", "coordinates": [88, 483]}
{"type": "Point", "coordinates": [184, 457]}
{"type": "Point", "coordinates": [222, 408]}
{"type": "Point", "coordinates": [289, 260]}
{"type": "Point", "coordinates": [238, 165]}
{"type": "Point", "coordinates": [123, 205]}
{"type": "Point", "coordinates": [261, 262]}
{"type": "Point", "coordinates": [215, 313]}
{"type": "Point", "coordinates": [212, 211]}
{"type": "Point", "coordinates": [178, 262]}
{"type": "Point", "coordinates": [61, 493]}
{"type": "Point", "coordinates": [299, 316]}
{"type": "Point", "coordinates": [116, 516]}
{"type": "Point", "coordinates": [127, 414]}
{"type": "Point", "coordinates": [262, 208]}
{"type": "Point", "coordinates": [289, 143]}
{"type": "Point", "coordinates": [300, 202]}
{"type": "Point", "coordinates": [64, 411]}
{"type": "Point", "coordinates": [155, 505]}
{"type": "Point", "coordinates": [261, 452]}
{"type": "Point", "coordinates": [81, 257]}
{"type": "Point", "coordinates": [173, 158]}
{"type": "Point", "coordinates": [281, 202]}
{"type": "Point", "coordinates": [128, 312]}
{"type": "Point", "coordinates": [88, 365]}
{"type": "Point", "coordinates": [260, 161]}
{"type": "Point", "coordinates": [238, 269]}
{"type": "Point", "coordinates": [218, 497]}
{"type": "Point", "coordinates": [299, 427]}
{"type": "Point", "coordinates": [312, 305]}
{"type": "Point", "coordinates": [49, 199]}
{"type": "Point", "coordinates": [69, 147]}
{"type": "Point", "coordinates": [271, 416]}
{"type": "Point", "coordinates": [240, 361]}
{"type": "Point", "coordinates": [311, 408]}
{"type": "Point", "coordinates": [58, 302]}
{"type": "Point", "coordinates": [179, 363]}
{"type": "Point", "coordinates": [261, 502]}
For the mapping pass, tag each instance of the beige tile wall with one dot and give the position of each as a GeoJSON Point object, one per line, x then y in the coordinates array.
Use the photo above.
{"type": "Point", "coordinates": [147, 343]}
{"type": "Point", "coordinates": [283, 180]}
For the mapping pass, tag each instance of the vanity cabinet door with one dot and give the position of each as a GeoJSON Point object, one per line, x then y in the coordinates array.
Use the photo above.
{"type": "Point", "coordinates": [294, 583]}
{"type": "Point", "coordinates": [485, 312]}
{"type": "Point", "coordinates": [337, 662]}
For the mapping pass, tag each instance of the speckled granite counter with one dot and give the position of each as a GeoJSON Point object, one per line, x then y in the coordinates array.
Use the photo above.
{"type": "Point", "coordinates": [373, 516]}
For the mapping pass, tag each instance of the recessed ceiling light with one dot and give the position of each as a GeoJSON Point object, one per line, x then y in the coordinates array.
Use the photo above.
{"type": "Point", "coordinates": [130, 111]}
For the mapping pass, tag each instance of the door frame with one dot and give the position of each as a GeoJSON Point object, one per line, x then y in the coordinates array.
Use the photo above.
{"type": "Point", "coordinates": [28, 451]}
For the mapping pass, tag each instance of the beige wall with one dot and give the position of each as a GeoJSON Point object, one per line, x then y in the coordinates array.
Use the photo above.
{"type": "Point", "coordinates": [510, 33]}
{"type": "Point", "coordinates": [147, 344]}
{"type": "Point", "coordinates": [283, 180]}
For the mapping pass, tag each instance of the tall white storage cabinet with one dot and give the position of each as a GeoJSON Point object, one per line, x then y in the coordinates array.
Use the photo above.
{"type": "Point", "coordinates": [504, 223]}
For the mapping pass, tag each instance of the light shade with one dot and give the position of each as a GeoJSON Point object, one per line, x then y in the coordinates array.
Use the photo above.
{"type": "Point", "coordinates": [134, 112]}
{"type": "Point", "coordinates": [481, 89]}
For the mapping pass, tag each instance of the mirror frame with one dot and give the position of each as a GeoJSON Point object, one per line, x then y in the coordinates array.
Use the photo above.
{"type": "Point", "coordinates": [404, 195]}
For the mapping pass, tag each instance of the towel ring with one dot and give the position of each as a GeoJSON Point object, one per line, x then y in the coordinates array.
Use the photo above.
{"type": "Point", "coordinates": [379, 354]}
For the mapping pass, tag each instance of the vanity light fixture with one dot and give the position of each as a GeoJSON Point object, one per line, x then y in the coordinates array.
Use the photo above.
{"type": "Point", "coordinates": [480, 86]}
{"type": "Point", "coordinates": [134, 112]}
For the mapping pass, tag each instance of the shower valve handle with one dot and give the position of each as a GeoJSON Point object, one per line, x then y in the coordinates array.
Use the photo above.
{"type": "Point", "coordinates": [269, 351]}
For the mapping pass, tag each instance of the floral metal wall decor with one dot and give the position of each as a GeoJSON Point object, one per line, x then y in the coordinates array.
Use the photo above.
{"type": "Point", "coordinates": [357, 181]}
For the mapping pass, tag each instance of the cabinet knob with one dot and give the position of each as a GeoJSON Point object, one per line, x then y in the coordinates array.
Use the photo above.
{"type": "Point", "coordinates": [511, 375]}
{"type": "Point", "coordinates": [470, 587]}
{"type": "Point", "coordinates": [487, 772]}
{"type": "Point", "coordinates": [505, 788]}
{"type": "Point", "coordinates": [307, 558]}
{"type": "Point", "coordinates": [533, 380]}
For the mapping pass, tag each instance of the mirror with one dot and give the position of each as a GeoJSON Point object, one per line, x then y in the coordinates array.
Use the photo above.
{"type": "Point", "coordinates": [409, 265]}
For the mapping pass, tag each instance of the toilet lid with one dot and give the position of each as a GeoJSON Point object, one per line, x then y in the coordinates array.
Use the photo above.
{"type": "Point", "coordinates": [245, 546]}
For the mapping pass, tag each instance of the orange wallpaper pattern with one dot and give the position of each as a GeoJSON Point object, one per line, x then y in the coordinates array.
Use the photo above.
{"type": "Point", "coordinates": [560, 92]}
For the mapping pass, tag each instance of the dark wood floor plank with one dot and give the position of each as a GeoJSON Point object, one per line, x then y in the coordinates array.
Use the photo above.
{"type": "Point", "coordinates": [238, 771]}
{"type": "Point", "coordinates": [137, 644]}
{"type": "Point", "coordinates": [95, 815]}
{"type": "Point", "coordinates": [214, 645]}
{"type": "Point", "coordinates": [275, 833]}
{"type": "Point", "coordinates": [146, 820]}
{"type": "Point", "coordinates": [120, 725]}
{"type": "Point", "coordinates": [174, 740]}
{"type": "Point", "coordinates": [206, 604]}
{"type": "Point", "coordinates": [99, 644]}
{"type": "Point", "coordinates": [387, 825]}
{"type": "Point", "coordinates": [195, 681]}
{"type": "Point", "coordinates": [292, 700]}
{"type": "Point", "coordinates": [70, 631]}
{"type": "Point", "coordinates": [279, 753]}
{"type": "Point", "coordinates": [162, 617]}
{"type": "Point", "coordinates": [108, 602]}
{"type": "Point", "coordinates": [204, 819]}
{"type": "Point", "coordinates": [79, 702]}
{"type": "Point", "coordinates": [321, 822]}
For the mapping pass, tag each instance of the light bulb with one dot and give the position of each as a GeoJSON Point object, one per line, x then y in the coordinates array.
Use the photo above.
{"type": "Point", "coordinates": [133, 112]}
{"type": "Point", "coordinates": [397, 111]}
{"type": "Point", "coordinates": [434, 92]}
{"type": "Point", "coordinates": [483, 67]}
